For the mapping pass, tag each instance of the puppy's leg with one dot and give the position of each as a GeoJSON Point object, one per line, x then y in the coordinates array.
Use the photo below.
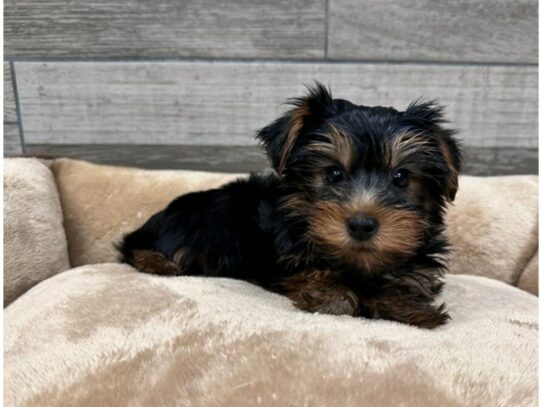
{"type": "Point", "coordinates": [152, 262]}
{"type": "Point", "coordinates": [319, 291]}
{"type": "Point", "coordinates": [406, 310]}
{"type": "Point", "coordinates": [405, 301]}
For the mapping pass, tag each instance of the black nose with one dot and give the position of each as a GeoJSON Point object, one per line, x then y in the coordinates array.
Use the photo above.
{"type": "Point", "coordinates": [362, 226]}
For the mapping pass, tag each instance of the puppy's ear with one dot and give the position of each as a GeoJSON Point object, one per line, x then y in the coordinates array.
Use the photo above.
{"type": "Point", "coordinates": [308, 112]}
{"type": "Point", "coordinates": [430, 115]}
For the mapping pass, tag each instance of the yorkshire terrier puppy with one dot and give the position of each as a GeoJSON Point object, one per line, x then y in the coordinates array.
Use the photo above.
{"type": "Point", "coordinates": [349, 223]}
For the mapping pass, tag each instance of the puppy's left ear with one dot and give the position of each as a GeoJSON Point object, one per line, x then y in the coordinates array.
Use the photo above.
{"type": "Point", "coordinates": [308, 112]}
{"type": "Point", "coordinates": [430, 115]}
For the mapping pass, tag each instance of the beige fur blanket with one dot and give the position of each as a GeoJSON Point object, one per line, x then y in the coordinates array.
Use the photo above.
{"type": "Point", "coordinates": [35, 245]}
{"type": "Point", "coordinates": [105, 335]}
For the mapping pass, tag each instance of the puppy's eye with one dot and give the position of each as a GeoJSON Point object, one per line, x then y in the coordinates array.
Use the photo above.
{"type": "Point", "coordinates": [334, 175]}
{"type": "Point", "coordinates": [400, 178]}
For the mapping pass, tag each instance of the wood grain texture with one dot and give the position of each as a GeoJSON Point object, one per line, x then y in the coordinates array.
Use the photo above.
{"type": "Point", "coordinates": [428, 30]}
{"type": "Point", "coordinates": [225, 103]}
{"type": "Point", "coordinates": [12, 139]}
{"type": "Point", "coordinates": [500, 161]}
{"type": "Point", "coordinates": [203, 158]}
{"type": "Point", "coordinates": [478, 161]}
{"type": "Point", "coordinates": [164, 28]}
{"type": "Point", "coordinates": [10, 112]}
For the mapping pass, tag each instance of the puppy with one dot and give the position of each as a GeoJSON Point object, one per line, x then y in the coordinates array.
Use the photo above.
{"type": "Point", "coordinates": [349, 223]}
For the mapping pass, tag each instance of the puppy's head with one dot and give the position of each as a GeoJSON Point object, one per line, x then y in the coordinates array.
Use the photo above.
{"type": "Point", "coordinates": [370, 182]}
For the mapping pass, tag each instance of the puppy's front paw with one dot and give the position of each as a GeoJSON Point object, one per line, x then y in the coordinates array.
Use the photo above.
{"type": "Point", "coordinates": [420, 314]}
{"type": "Point", "coordinates": [319, 291]}
{"type": "Point", "coordinates": [428, 317]}
{"type": "Point", "coordinates": [338, 306]}
{"type": "Point", "coordinates": [151, 262]}
{"type": "Point", "coordinates": [336, 300]}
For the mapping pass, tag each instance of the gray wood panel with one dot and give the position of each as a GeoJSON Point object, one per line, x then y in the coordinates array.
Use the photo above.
{"type": "Point", "coordinates": [164, 28]}
{"type": "Point", "coordinates": [500, 161]}
{"type": "Point", "coordinates": [428, 30]}
{"type": "Point", "coordinates": [10, 112]}
{"type": "Point", "coordinates": [478, 161]}
{"type": "Point", "coordinates": [12, 139]}
{"type": "Point", "coordinates": [225, 103]}
{"type": "Point", "coordinates": [203, 158]}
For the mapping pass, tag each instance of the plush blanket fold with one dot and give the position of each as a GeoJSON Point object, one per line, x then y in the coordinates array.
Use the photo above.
{"type": "Point", "coordinates": [112, 336]}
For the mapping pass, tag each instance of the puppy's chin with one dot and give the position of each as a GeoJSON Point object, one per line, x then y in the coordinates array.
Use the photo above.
{"type": "Point", "coordinates": [361, 246]}
{"type": "Point", "coordinates": [367, 258]}
{"type": "Point", "coordinates": [372, 256]}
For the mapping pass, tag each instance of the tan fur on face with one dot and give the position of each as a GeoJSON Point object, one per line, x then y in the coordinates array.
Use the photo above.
{"type": "Point", "coordinates": [405, 145]}
{"type": "Point", "coordinates": [296, 124]}
{"type": "Point", "coordinates": [294, 205]}
{"type": "Point", "coordinates": [399, 234]}
{"type": "Point", "coordinates": [339, 146]}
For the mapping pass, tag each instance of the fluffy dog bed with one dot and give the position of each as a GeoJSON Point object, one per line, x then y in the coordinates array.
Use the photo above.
{"type": "Point", "coordinates": [103, 334]}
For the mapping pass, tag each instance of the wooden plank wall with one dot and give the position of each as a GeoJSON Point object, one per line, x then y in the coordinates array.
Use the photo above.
{"type": "Point", "coordinates": [168, 84]}
{"type": "Point", "coordinates": [444, 30]}
{"type": "Point", "coordinates": [12, 137]}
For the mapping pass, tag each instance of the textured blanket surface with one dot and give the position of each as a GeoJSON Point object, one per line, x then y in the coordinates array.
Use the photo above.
{"type": "Point", "coordinates": [493, 229]}
{"type": "Point", "coordinates": [105, 335]}
{"type": "Point", "coordinates": [35, 245]}
{"type": "Point", "coordinates": [493, 223]}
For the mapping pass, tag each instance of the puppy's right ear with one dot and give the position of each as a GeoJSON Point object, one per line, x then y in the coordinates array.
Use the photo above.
{"type": "Point", "coordinates": [280, 136]}
{"type": "Point", "coordinates": [430, 114]}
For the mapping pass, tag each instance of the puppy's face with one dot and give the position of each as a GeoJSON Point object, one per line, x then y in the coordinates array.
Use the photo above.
{"type": "Point", "coordinates": [370, 182]}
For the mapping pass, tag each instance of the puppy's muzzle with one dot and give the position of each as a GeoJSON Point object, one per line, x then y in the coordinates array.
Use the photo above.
{"type": "Point", "coordinates": [362, 226]}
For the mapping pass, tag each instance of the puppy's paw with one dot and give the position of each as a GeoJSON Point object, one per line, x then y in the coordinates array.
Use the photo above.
{"type": "Point", "coordinates": [339, 306]}
{"type": "Point", "coordinates": [429, 317]}
{"type": "Point", "coordinates": [422, 315]}
{"type": "Point", "coordinates": [332, 301]}
{"type": "Point", "coordinates": [151, 262]}
{"type": "Point", "coordinates": [319, 291]}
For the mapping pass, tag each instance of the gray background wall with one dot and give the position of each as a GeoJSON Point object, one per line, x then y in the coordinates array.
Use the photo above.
{"type": "Point", "coordinates": [185, 84]}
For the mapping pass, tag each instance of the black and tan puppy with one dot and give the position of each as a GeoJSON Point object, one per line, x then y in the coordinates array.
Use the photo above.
{"type": "Point", "coordinates": [350, 223]}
